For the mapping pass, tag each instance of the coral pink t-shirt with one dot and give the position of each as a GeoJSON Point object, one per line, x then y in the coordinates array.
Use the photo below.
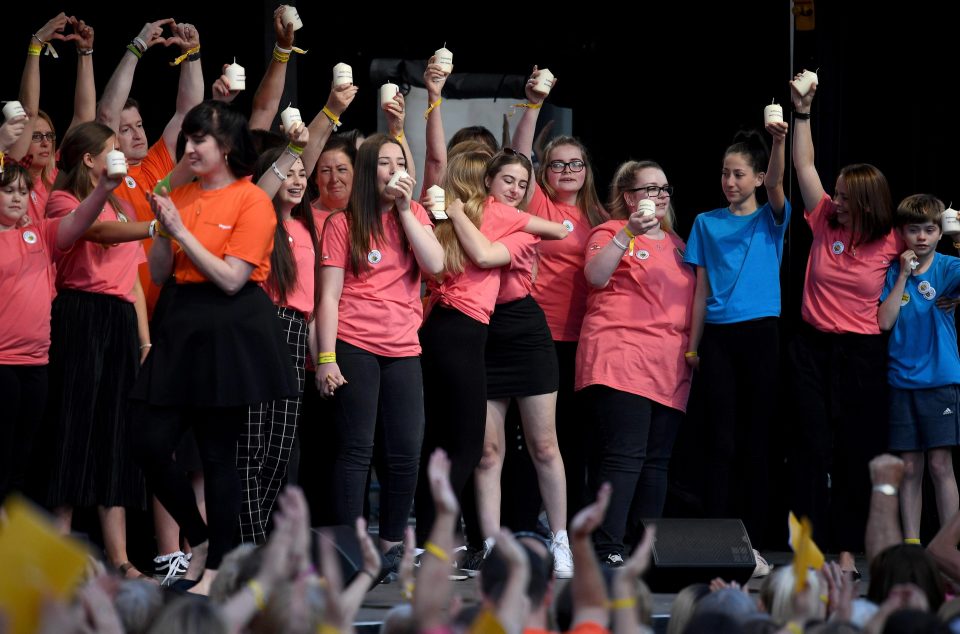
{"type": "Point", "coordinates": [516, 280]}
{"type": "Point", "coordinates": [38, 198]}
{"type": "Point", "coordinates": [27, 288]}
{"type": "Point", "coordinates": [108, 269]}
{"type": "Point", "coordinates": [380, 310]}
{"type": "Point", "coordinates": [474, 291]}
{"type": "Point", "coordinates": [841, 292]}
{"type": "Point", "coordinates": [636, 328]}
{"type": "Point", "coordinates": [300, 297]}
{"type": "Point", "coordinates": [561, 288]}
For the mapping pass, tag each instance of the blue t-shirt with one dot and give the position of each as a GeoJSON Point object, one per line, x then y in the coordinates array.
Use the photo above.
{"type": "Point", "coordinates": [923, 341]}
{"type": "Point", "coordinates": [742, 256]}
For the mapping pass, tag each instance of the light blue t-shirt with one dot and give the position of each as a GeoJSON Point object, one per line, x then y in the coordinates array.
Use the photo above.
{"type": "Point", "coordinates": [742, 256]}
{"type": "Point", "coordinates": [923, 341]}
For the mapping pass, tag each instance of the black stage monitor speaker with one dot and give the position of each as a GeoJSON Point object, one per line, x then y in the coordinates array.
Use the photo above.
{"type": "Point", "coordinates": [697, 550]}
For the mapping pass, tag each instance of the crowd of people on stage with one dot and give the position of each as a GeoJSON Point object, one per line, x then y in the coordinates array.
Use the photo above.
{"type": "Point", "coordinates": [168, 332]}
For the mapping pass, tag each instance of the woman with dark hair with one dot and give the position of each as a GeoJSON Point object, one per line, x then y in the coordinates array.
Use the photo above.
{"type": "Point", "coordinates": [737, 250]}
{"type": "Point", "coordinates": [217, 346]}
{"type": "Point", "coordinates": [99, 337]}
{"type": "Point", "coordinates": [369, 360]}
{"type": "Point", "coordinates": [839, 355]}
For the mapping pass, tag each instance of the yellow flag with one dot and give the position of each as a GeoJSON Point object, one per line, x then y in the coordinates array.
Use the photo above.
{"type": "Point", "coordinates": [806, 554]}
{"type": "Point", "coordinates": [37, 562]}
{"type": "Point", "coordinates": [486, 623]}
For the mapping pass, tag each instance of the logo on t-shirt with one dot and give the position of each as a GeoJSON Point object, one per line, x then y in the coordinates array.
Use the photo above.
{"type": "Point", "coordinates": [643, 254]}
{"type": "Point", "coordinates": [29, 237]}
{"type": "Point", "coordinates": [374, 257]}
{"type": "Point", "coordinates": [568, 226]}
{"type": "Point", "coordinates": [837, 247]}
{"type": "Point", "coordinates": [928, 291]}
{"type": "Point", "coordinates": [132, 184]}
{"type": "Point", "coordinates": [33, 197]}
{"type": "Point", "coordinates": [904, 299]}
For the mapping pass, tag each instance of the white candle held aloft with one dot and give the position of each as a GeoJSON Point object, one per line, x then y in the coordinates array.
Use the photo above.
{"type": "Point", "coordinates": [544, 82]}
{"type": "Point", "coordinates": [387, 92]}
{"type": "Point", "coordinates": [438, 202]}
{"type": "Point", "coordinates": [290, 116]}
{"type": "Point", "coordinates": [949, 222]}
{"type": "Point", "coordinates": [342, 74]}
{"type": "Point", "coordinates": [12, 110]}
{"type": "Point", "coordinates": [444, 58]}
{"type": "Point", "coordinates": [773, 114]}
{"type": "Point", "coordinates": [236, 76]}
{"type": "Point", "coordinates": [807, 80]}
{"type": "Point", "coordinates": [291, 16]}
{"type": "Point", "coordinates": [116, 164]}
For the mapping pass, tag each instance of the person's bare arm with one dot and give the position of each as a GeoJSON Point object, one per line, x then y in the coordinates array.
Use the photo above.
{"type": "Point", "coordinates": [773, 180]}
{"type": "Point", "coordinates": [321, 127]}
{"type": "Point", "coordinates": [587, 587]}
{"type": "Point", "coordinates": [811, 188]}
{"type": "Point", "coordinates": [883, 521]}
{"type": "Point", "coordinates": [85, 92]}
{"type": "Point", "coordinates": [266, 101]}
{"type": "Point", "coordinates": [435, 161]}
{"type": "Point", "coordinates": [190, 88]}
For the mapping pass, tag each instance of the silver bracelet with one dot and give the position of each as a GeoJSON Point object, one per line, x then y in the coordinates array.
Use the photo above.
{"type": "Point", "coordinates": [619, 244]}
{"type": "Point", "coordinates": [276, 170]}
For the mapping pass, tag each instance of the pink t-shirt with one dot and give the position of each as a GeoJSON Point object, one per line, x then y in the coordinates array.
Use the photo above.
{"type": "Point", "coordinates": [841, 293]}
{"type": "Point", "coordinates": [26, 286]}
{"type": "Point", "coordinates": [516, 281]}
{"type": "Point", "coordinates": [637, 327]}
{"type": "Point", "coordinates": [300, 297]}
{"type": "Point", "coordinates": [38, 198]}
{"type": "Point", "coordinates": [561, 289]}
{"type": "Point", "coordinates": [96, 268]}
{"type": "Point", "coordinates": [380, 311]}
{"type": "Point", "coordinates": [474, 291]}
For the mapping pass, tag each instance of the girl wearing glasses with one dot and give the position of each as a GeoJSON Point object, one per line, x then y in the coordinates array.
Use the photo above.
{"type": "Point", "coordinates": [737, 250]}
{"type": "Point", "coordinates": [564, 192]}
{"type": "Point", "coordinates": [630, 358]}
{"type": "Point", "coordinates": [839, 355]}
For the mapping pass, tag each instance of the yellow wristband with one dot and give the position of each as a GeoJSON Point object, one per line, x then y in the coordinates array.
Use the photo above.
{"type": "Point", "coordinates": [622, 604]}
{"type": "Point", "coordinates": [186, 54]}
{"type": "Point", "coordinates": [408, 589]}
{"type": "Point", "coordinates": [334, 119]}
{"type": "Point", "coordinates": [259, 598]}
{"type": "Point", "coordinates": [691, 354]}
{"type": "Point", "coordinates": [323, 628]}
{"type": "Point", "coordinates": [436, 551]}
{"type": "Point", "coordinates": [911, 540]}
{"type": "Point", "coordinates": [326, 357]}
{"type": "Point", "coordinates": [629, 233]}
{"type": "Point", "coordinates": [34, 49]}
{"type": "Point", "coordinates": [426, 115]}
{"type": "Point", "coordinates": [294, 148]}
{"type": "Point", "coordinates": [530, 106]}
{"type": "Point", "coordinates": [162, 232]}
{"type": "Point", "coordinates": [399, 137]}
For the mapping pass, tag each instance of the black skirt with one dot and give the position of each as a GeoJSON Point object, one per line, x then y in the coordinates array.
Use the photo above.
{"type": "Point", "coordinates": [521, 358]}
{"type": "Point", "coordinates": [94, 359]}
{"type": "Point", "coordinates": [211, 349]}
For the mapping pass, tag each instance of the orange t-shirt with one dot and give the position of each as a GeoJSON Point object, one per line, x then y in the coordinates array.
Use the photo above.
{"type": "Point", "coordinates": [108, 269]}
{"type": "Point", "coordinates": [140, 181]}
{"type": "Point", "coordinates": [380, 310]}
{"type": "Point", "coordinates": [561, 288]}
{"type": "Point", "coordinates": [26, 286]}
{"type": "Point", "coordinates": [236, 220]}
{"type": "Point", "coordinates": [587, 627]}
{"type": "Point", "coordinates": [841, 292]}
{"type": "Point", "coordinates": [300, 297]}
{"type": "Point", "coordinates": [637, 327]}
{"type": "Point", "coordinates": [474, 291]}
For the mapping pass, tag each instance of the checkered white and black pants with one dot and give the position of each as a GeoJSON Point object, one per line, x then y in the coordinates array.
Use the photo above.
{"type": "Point", "coordinates": [265, 443]}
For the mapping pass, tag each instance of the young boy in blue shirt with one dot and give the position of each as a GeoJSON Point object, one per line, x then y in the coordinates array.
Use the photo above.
{"type": "Point", "coordinates": [924, 365]}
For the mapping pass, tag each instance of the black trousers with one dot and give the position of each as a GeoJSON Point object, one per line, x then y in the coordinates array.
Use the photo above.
{"type": "Point", "coordinates": [23, 393]}
{"type": "Point", "coordinates": [839, 398]}
{"type": "Point", "coordinates": [573, 429]}
{"type": "Point", "coordinates": [739, 367]}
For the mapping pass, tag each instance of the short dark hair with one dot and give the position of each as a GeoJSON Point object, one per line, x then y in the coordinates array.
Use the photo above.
{"type": "Point", "coordinates": [493, 576]}
{"type": "Point", "coordinates": [228, 127]}
{"type": "Point", "coordinates": [918, 209]}
{"type": "Point", "coordinates": [905, 563]}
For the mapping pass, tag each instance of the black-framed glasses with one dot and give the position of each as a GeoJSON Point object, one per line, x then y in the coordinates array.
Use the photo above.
{"type": "Point", "coordinates": [653, 191]}
{"type": "Point", "coordinates": [37, 137]}
{"type": "Point", "coordinates": [557, 167]}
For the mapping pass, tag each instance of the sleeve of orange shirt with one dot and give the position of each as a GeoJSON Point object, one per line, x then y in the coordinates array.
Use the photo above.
{"type": "Point", "coordinates": [252, 237]}
{"type": "Point", "coordinates": [588, 627]}
{"type": "Point", "coordinates": [157, 164]}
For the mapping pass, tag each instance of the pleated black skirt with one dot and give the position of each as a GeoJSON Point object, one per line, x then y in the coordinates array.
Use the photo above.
{"type": "Point", "coordinates": [211, 349]}
{"type": "Point", "coordinates": [94, 358]}
{"type": "Point", "coordinates": [521, 358]}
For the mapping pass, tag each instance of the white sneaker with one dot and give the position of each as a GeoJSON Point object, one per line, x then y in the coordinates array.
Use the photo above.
{"type": "Point", "coordinates": [169, 568]}
{"type": "Point", "coordinates": [763, 566]}
{"type": "Point", "coordinates": [562, 557]}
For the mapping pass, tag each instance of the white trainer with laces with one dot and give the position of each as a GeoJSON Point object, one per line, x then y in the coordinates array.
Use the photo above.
{"type": "Point", "coordinates": [562, 557]}
{"type": "Point", "coordinates": [170, 568]}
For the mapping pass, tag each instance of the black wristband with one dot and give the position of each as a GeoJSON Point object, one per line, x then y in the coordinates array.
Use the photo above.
{"type": "Point", "coordinates": [801, 115]}
{"type": "Point", "coordinates": [193, 57]}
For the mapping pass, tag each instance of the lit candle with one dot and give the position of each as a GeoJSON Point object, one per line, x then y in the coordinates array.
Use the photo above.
{"type": "Point", "coordinates": [544, 82]}
{"type": "Point", "coordinates": [290, 15]}
{"type": "Point", "coordinates": [342, 74]}
{"type": "Point", "coordinates": [444, 58]}
{"type": "Point", "coordinates": [387, 92]}
{"type": "Point", "coordinates": [773, 113]}
{"type": "Point", "coordinates": [236, 76]}
{"type": "Point", "coordinates": [116, 164]}
{"type": "Point", "coordinates": [290, 116]}
{"type": "Point", "coordinates": [807, 80]}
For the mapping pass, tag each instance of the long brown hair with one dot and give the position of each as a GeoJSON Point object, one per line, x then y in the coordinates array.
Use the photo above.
{"type": "Point", "coordinates": [868, 201]}
{"type": "Point", "coordinates": [74, 175]}
{"type": "Point", "coordinates": [623, 180]}
{"type": "Point", "coordinates": [463, 180]}
{"type": "Point", "coordinates": [46, 174]}
{"type": "Point", "coordinates": [587, 200]}
{"type": "Point", "coordinates": [364, 219]}
{"type": "Point", "coordinates": [283, 266]}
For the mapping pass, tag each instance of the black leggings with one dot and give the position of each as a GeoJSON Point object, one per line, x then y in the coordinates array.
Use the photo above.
{"type": "Point", "coordinates": [217, 430]}
{"type": "Point", "coordinates": [455, 401]}
{"type": "Point", "coordinates": [23, 393]}
{"type": "Point", "coordinates": [573, 429]}
{"type": "Point", "coordinates": [739, 366]}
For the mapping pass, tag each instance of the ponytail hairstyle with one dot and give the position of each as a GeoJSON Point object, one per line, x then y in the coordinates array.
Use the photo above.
{"type": "Point", "coordinates": [751, 144]}
{"type": "Point", "coordinates": [74, 175]}
{"type": "Point", "coordinates": [623, 180]}
{"type": "Point", "coordinates": [283, 266]}
{"type": "Point", "coordinates": [587, 200]}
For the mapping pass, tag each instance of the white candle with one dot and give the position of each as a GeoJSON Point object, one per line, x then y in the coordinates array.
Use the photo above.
{"type": "Point", "coordinates": [647, 207]}
{"type": "Point", "coordinates": [949, 222]}
{"type": "Point", "coordinates": [116, 163]}
{"type": "Point", "coordinates": [544, 82]}
{"type": "Point", "coordinates": [342, 74]}
{"type": "Point", "coordinates": [12, 110]}
{"type": "Point", "coordinates": [401, 173]}
{"type": "Point", "coordinates": [773, 114]}
{"type": "Point", "coordinates": [807, 79]}
{"type": "Point", "coordinates": [438, 201]}
{"type": "Point", "coordinates": [290, 15]}
{"type": "Point", "coordinates": [444, 57]}
{"type": "Point", "coordinates": [290, 116]}
{"type": "Point", "coordinates": [236, 76]}
{"type": "Point", "coordinates": [387, 92]}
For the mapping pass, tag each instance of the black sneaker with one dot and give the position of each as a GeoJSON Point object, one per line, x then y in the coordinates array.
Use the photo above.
{"type": "Point", "coordinates": [390, 570]}
{"type": "Point", "coordinates": [613, 560]}
{"type": "Point", "coordinates": [472, 562]}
